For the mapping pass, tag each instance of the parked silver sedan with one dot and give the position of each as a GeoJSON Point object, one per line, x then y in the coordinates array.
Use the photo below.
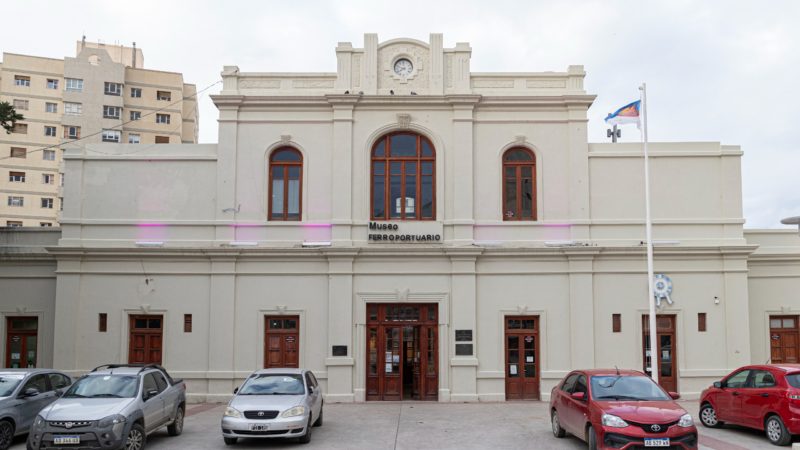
{"type": "Point", "coordinates": [23, 393]}
{"type": "Point", "coordinates": [274, 403]}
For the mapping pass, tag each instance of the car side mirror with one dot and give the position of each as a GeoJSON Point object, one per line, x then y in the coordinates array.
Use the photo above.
{"type": "Point", "coordinates": [311, 389]}
{"type": "Point", "coordinates": [30, 392]}
{"type": "Point", "coordinates": [674, 395]}
{"type": "Point", "coordinates": [236, 390]}
{"type": "Point", "coordinates": [718, 385]}
{"type": "Point", "coordinates": [579, 396]}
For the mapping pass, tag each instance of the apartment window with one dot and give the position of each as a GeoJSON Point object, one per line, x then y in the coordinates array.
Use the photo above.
{"type": "Point", "coordinates": [519, 181]}
{"type": "Point", "coordinates": [72, 132]}
{"type": "Point", "coordinates": [20, 128]}
{"type": "Point", "coordinates": [52, 83]}
{"type": "Point", "coordinates": [73, 84]}
{"type": "Point", "coordinates": [112, 112]}
{"type": "Point", "coordinates": [701, 322]}
{"type": "Point", "coordinates": [162, 118]}
{"type": "Point", "coordinates": [15, 201]}
{"type": "Point", "coordinates": [62, 180]}
{"type": "Point", "coordinates": [21, 105]}
{"type": "Point", "coordinates": [113, 88]}
{"type": "Point", "coordinates": [16, 177]}
{"type": "Point", "coordinates": [402, 188]}
{"type": "Point", "coordinates": [13, 223]}
{"type": "Point", "coordinates": [162, 139]}
{"type": "Point", "coordinates": [616, 323]}
{"type": "Point", "coordinates": [164, 95]}
{"type": "Point", "coordinates": [134, 138]}
{"type": "Point", "coordinates": [18, 152]}
{"type": "Point", "coordinates": [136, 115]}
{"type": "Point", "coordinates": [136, 92]}
{"type": "Point", "coordinates": [49, 155]}
{"type": "Point", "coordinates": [60, 203]}
{"type": "Point", "coordinates": [21, 80]}
{"type": "Point", "coordinates": [73, 109]}
{"type": "Point", "coordinates": [47, 203]}
{"type": "Point", "coordinates": [285, 174]}
{"type": "Point", "coordinates": [51, 107]}
{"type": "Point", "coordinates": [111, 135]}
{"type": "Point", "coordinates": [48, 178]}
{"type": "Point", "coordinates": [45, 224]}
{"type": "Point", "coordinates": [102, 322]}
{"type": "Point", "coordinates": [49, 131]}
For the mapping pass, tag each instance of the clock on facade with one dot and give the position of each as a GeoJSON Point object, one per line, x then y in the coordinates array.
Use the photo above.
{"type": "Point", "coordinates": [403, 67]}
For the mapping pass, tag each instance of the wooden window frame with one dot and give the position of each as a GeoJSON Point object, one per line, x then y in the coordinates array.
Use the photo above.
{"type": "Point", "coordinates": [102, 322]}
{"type": "Point", "coordinates": [284, 216]}
{"type": "Point", "coordinates": [701, 322]}
{"type": "Point", "coordinates": [616, 323]}
{"type": "Point", "coordinates": [187, 323]}
{"type": "Point", "coordinates": [518, 166]}
{"type": "Point", "coordinates": [387, 159]}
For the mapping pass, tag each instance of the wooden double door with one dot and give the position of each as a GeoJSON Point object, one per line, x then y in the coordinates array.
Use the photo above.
{"type": "Point", "coordinates": [146, 339]}
{"type": "Point", "coordinates": [666, 354]}
{"type": "Point", "coordinates": [522, 357]}
{"type": "Point", "coordinates": [402, 352]}
{"type": "Point", "coordinates": [784, 339]}
{"type": "Point", "coordinates": [282, 341]}
{"type": "Point", "coordinates": [21, 342]}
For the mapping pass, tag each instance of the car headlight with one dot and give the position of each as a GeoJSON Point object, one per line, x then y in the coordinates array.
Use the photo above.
{"type": "Point", "coordinates": [610, 420]}
{"type": "Point", "coordinates": [294, 412]}
{"type": "Point", "coordinates": [233, 412]}
{"type": "Point", "coordinates": [110, 421]}
{"type": "Point", "coordinates": [686, 421]}
{"type": "Point", "coordinates": [39, 422]}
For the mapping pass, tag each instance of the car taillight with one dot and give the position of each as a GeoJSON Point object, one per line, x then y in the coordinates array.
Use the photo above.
{"type": "Point", "coordinates": [793, 395]}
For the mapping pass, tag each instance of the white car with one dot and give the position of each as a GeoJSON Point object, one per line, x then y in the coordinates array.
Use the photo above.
{"type": "Point", "coordinates": [274, 403]}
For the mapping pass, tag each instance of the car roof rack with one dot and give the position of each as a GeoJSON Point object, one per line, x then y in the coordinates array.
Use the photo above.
{"type": "Point", "coordinates": [141, 367]}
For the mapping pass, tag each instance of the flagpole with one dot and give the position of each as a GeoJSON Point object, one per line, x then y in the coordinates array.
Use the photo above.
{"type": "Point", "coordinates": [649, 235]}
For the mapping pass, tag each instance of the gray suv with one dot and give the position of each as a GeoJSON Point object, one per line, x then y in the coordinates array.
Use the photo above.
{"type": "Point", "coordinates": [112, 407]}
{"type": "Point", "coordinates": [23, 393]}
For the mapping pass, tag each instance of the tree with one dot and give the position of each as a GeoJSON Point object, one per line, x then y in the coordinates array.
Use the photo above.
{"type": "Point", "coordinates": [8, 116]}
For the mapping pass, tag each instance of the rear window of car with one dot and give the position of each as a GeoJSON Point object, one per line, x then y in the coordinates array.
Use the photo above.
{"type": "Point", "coordinates": [793, 379]}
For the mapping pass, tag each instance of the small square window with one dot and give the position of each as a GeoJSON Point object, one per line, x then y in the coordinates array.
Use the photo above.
{"type": "Point", "coordinates": [73, 109]}
{"type": "Point", "coordinates": [136, 92]}
{"type": "Point", "coordinates": [72, 132]}
{"type": "Point", "coordinates": [134, 138]}
{"type": "Point", "coordinates": [73, 84]}
{"type": "Point", "coordinates": [49, 131]}
{"type": "Point", "coordinates": [14, 200]}
{"type": "Point", "coordinates": [162, 118]}
{"type": "Point", "coordinates": [136, 115]}
{"type": "Point", "coordinates": [18, 152]}
{"type": "Point", "coordinates": [111, 135]}
{"type": "Point", "coordinates": [51, 107]}
{"type": "Point", "coordinates": [163, 95]}
{"type": "Point", "coordinates": [112, 88]}
{"type": "Point", "coordinates": [49, 155]}
{"type": "Point", "coordinates": [48, 178]}
{"type": "Point", "coordinates": [16, 177]}
{"type": "Point", "coordinates": [21, 105]}
{"type": "Point", "coordinates": [21, 80]}
{"type": "Point", "coordinates": [47, 203]}
{"type": "Point", "coordinates": [52, 83]}
{"type": "Point", "coordinates": [112, 112]}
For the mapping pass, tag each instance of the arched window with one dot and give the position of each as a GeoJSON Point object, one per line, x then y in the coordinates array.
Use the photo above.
{"type": "Point", "coordinates": [519, 184]}
{"type": "Point", "coordinates": [285, 184]}
{"type": "Point", "coordinates": [403, 178]}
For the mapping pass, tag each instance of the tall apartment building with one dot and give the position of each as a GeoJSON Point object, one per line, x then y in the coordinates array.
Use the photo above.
{"type": "Point", "coordinates": [103, 94]}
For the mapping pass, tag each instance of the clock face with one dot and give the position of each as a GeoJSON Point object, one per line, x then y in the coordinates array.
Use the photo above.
{"type": "Point", "coordinates": [403, 67]}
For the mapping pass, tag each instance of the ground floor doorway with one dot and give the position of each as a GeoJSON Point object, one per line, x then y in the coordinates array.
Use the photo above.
{"type": "Point", "coordinates": [146, 339]}
{"type": "Point", "coordinates": [522, 357]}
{"type": "Point", "coordinates": [402, 352]}
{"type": "Point", "coordinates": [281, 341]}
{"type": "Point", "coordinates": [21, 342]}
{"type": "Point", "coordinates": [784, 339]}
{"type": "Point", "coordinates": [665, 354]}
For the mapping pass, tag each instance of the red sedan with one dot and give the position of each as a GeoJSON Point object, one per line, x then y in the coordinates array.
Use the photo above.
{"type": "Point", "coordinates": [619, 409]}
{"type": "Point", "coordinates": [765, 397]}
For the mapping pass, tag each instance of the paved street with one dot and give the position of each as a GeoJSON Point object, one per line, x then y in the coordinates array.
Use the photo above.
{"type": "Point", "coordinates": [422, 425]}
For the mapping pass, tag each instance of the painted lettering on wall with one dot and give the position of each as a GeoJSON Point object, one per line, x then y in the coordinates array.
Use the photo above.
{"type": "Point", "coordinates": [393, 234]}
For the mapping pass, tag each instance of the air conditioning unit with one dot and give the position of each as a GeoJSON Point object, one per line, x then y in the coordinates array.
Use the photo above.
{"type": "Point", "coordinates": [398, 205]}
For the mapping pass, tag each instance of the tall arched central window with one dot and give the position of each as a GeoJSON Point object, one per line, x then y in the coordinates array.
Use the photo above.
{"type": "Point", "coordinates": [403, 178]}
{"type": "Point", "coordinates": [285, 184]}
{"type": "Point", "coordinates": [519, 184]}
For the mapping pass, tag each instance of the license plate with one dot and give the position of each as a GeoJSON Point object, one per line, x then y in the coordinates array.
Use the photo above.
{"type": "Point", "coordinates": [259, 427]}
{"type": "Point", "coordinates": [72, 439]}
{"type": "Point", "coordinates": [650, 442]}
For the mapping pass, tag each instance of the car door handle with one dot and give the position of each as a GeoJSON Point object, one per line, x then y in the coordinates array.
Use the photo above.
{"type": "Point", "coordinates": [765, 395]}
{"type": "Point", "coordinates": [735, 394]}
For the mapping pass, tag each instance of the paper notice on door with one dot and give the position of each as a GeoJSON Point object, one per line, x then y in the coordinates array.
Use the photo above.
{"type": "Point", "coordinates": [664, 354]}
{"type": "Point", "coordinates": [15, 356]}
{"type": "Point", "coordinates": [396, 359]}
{"type": "Point", "coordinates": [529, 359]}
{"type": "Point", "coordinates": [388, 368]}
{"type": "Point", "coordinates": [388, 356]}
{"type": "Point", "coordinates": [512, 369]}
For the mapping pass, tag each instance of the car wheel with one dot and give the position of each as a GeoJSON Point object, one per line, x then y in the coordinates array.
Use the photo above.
{"type": "Point", "coordinates": [776, 431]}
{"type": "Point", "coordinates": [230, 441]}
{"type": "Point", "coordinates": [306, 438]}
{"type": "Point", "coordinates": [708, 416]}
{"type": "Point", "coordinates": [136, 439]}
{"type": "Point", "coordinates": [592, 438]}
{"type": "Point", "coordinates": [318, 422]}
{"type": "Point", "coordinates": [176, 427]}
{"type": "Point", "coordinates": [557, 430]}
{"type": "Point", "coordinates": [6, 434]}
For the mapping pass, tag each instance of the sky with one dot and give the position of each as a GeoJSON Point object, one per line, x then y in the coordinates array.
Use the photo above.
{"type": "Point", "coordinates": [722, 71]}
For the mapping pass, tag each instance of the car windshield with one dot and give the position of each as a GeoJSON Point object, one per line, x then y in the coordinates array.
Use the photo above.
{"type": "Point", "coordinates": [108, 386]}
{"type": "Point", "coordinates": [793, 379]}
{"type": "Point", "coordinates": [8, 382]}
{"type": "Point", "coordinates": [635, 388]}
{"type": "Point", "coordinates": [272, 384]}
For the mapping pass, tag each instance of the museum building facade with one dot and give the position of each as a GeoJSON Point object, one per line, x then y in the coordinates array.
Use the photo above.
{"type": "Point", "coordinates": [407, 229]}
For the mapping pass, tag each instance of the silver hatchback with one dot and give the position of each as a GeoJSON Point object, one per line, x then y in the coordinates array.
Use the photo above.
{"type": "Point", "coordinates": [274, 403]}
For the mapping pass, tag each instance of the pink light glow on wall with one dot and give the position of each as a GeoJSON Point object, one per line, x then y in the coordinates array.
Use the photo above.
{"type": "Point", "coordinates": [149, 231]}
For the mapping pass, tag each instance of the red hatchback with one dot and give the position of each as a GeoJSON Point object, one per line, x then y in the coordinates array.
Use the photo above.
{"type": "Point", "coordinates": [765, 397]}
{"type": "Point", "coordinates": [620, 409]}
